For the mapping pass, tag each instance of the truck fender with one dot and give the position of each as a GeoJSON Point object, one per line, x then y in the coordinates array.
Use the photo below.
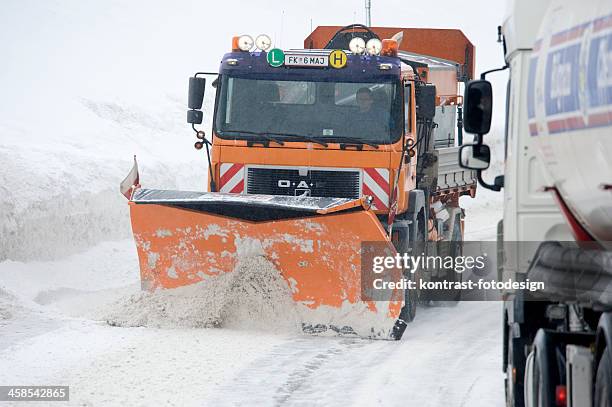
{"type": "Point", "coordinates": [401, 234]}
{"type": "Point", "coordinates": [542, 358]}
{"type": "Point", "coordinates": [416, 203]}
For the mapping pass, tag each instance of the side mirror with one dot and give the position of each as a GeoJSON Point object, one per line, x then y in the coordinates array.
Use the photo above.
{"type": "Point", "coordinates": [196, 92]}
{"type": "Point", "coordinates": [477, 107]}
{"type": "Point", "coordinates": [196, 98]}
{"type": "Point", "coordinates": [474, 156]}
{"type": "Point", "coordinates": [426, 101]}
{"type": "Point", "coordinates": [195, 116]}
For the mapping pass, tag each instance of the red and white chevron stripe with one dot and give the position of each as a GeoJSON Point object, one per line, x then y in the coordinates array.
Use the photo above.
{"type": "Point", "coordinates": [231, 178]}
{"type": "Point", "coordinates": [376, 184]}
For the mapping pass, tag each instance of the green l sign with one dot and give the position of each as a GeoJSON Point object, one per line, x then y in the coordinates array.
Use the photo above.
{"type": "Point", "coordinates": [276, 57]}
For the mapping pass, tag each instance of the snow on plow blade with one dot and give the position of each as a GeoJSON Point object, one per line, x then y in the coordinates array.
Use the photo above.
{"type": "Point", "coordinates": [185, 238]}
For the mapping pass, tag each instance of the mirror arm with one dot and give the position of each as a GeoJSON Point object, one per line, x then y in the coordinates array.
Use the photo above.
{"type": "Point", "coordinates": [493, 187]}
{"type": "Point", "coordinates": [208, 144]}
{"type": "Point", "coordinates": [197, 132]}
{"type": "Point", "coordinates": [213, 186]}
{"type": "Point", "coordinates": [485, 73]}
{"type": "Point", "coordinates": [205, 73]}
{"type": "Point", "coordinates": [501, 38]}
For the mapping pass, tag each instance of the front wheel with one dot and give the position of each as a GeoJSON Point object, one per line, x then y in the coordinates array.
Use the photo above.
{"type": "Point", "coordinates": [514, 373]}
{"type": "Point", "coordinates": [408, 312]}
{"type": "Point", "coordinates": [411, 297]}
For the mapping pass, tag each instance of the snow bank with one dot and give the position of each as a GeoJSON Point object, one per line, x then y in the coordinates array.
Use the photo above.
{"type": "Point", "coordinates": [7, 305]}
{"type": "Point", "coordinates": [83, 93]}
{"type": "Point", "coordinates": [254, 296]}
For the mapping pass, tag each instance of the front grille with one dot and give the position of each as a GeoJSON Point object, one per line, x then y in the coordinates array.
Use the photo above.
{"type": "Point", "coordinates": [289, 182]}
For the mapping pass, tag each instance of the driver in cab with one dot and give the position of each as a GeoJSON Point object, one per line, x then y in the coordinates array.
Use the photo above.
{"type": "Point", "coordinates": [374, 117]}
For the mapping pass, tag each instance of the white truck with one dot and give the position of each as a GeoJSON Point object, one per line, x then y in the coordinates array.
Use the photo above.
{"type": "Point", "coordinates": [557, 221]}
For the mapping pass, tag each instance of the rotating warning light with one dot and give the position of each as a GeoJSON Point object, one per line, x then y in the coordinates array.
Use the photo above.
{"type": "Point", "coordinates": [389, 48]}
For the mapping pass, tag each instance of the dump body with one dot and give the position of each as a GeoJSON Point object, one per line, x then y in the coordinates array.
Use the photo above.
{"type": "Point", "coordinates": [449, 44]}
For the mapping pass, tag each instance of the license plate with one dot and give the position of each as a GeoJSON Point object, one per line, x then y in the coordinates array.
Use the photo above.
{"type": "Point", "coordinates": [306, 60]}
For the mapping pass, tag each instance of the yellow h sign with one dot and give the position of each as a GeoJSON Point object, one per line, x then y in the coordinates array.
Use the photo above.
{"type": "Point", "coordinates": [337, 59]}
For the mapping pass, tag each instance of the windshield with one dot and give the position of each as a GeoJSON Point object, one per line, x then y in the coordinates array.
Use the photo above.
{"type": "Point", "coordinates": [326, 111]}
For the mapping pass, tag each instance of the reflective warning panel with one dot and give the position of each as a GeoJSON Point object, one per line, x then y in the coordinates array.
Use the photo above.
{"type": "Point", "coordinates": [337, 59]}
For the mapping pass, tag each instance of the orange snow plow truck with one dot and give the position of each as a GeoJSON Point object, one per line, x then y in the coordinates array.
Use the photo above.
{"type": "Point", "coordinates": [314, 153]}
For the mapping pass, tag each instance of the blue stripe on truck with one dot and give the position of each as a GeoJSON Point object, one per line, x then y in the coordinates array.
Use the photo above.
{"type": "Point", "coordinates": [578, 80]}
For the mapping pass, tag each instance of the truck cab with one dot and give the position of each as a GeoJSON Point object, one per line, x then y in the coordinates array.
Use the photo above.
{"type": "Point", "coordinates": [313, 131]}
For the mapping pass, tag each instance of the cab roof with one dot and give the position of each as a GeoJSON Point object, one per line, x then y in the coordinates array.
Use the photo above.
{"type": "Point", "coordinates": [359, 68]}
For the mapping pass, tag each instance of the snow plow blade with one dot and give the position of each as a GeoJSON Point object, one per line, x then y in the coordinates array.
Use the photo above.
{"type": "Point", "coordinates": [185, 238]}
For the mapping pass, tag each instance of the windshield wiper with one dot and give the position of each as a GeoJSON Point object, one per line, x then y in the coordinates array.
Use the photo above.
{"type": "Point", "coordinates": [265, 135]}
{"type": "Point", "coordinates": [307, 138]}
{"type": "Point", "coordinates": [354, 140]}
{"type": "Point", "coordinates": [268, 135]}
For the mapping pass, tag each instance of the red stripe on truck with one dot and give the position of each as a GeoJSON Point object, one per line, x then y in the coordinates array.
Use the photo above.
{"type": "Point", "coordinates": [238, 188]}
{"type": "Point", "coordinates": [229, 174]}
{"type": "Point", "coordinates": [383, 183]}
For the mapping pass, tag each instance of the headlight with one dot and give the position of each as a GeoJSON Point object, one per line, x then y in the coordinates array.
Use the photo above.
{"type": "Point", "coordinates": [357, 45]}
{"type": "Point", "coordinates": [245, 42]}
{"type": "Point", "coordinates": [373, 46]}
{"type": "Point", "coordinates": [263, 42]}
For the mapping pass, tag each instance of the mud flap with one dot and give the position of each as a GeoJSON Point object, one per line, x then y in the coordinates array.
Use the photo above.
{"type": "Point", "coordinates": [315, 243]}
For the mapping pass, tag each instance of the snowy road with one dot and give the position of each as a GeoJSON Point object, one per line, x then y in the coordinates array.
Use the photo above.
{"type": "Point", "coordinates": [49, 335]}
{"type": "Point", "coordinates": [448, 356]}
{"type": "Point", "coordinates": [439, 362]}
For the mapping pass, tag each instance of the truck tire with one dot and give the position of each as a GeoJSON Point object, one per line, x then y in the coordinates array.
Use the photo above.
{"type": "Point", "coordinates": [408, 312]}
{"type": "Point", "coordinates": [456, 249]}
{"type": "Point", "coordinates": [417, 244]}
{"type": "Point", "coordinates": [540, 391]}
{"type": "Point", "coordinates": [451, 297]}
{"type": "Point", "coordinates": [516, 360]}
{"type": "Point", "coordinates": [603, 380]}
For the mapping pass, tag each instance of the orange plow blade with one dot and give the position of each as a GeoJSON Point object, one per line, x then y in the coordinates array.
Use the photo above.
{"type": "Point", "coordinates": [185, 238]}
